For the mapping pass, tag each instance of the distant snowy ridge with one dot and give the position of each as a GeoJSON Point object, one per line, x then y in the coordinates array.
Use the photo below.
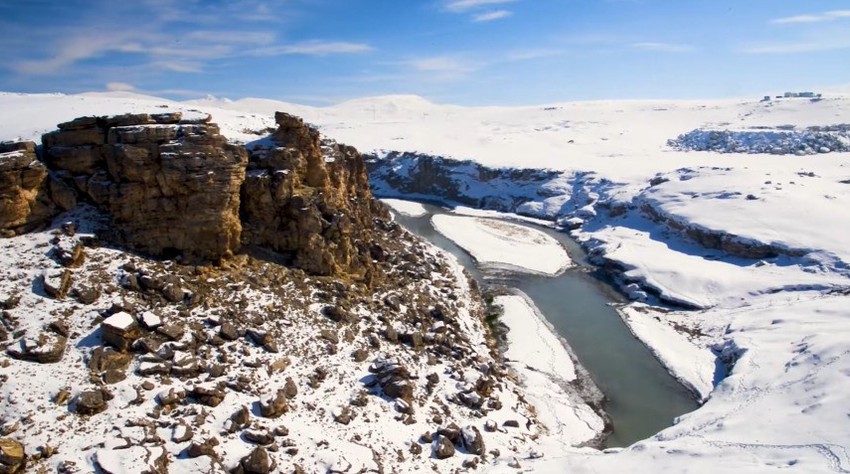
{"type": "Point", "coordinates": [775, 142]}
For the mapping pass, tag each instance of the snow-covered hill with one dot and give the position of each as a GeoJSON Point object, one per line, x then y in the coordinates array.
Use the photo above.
{"type": "Point", "coordinates": [751, 242]}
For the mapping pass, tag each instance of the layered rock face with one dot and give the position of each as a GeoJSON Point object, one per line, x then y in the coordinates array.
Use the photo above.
{"type": "Point", "coordinates": [310, 200]}
{"type": "Point", "coordinates": [171, 187]}
{"type": "Point", "coordinates": [26, 200]}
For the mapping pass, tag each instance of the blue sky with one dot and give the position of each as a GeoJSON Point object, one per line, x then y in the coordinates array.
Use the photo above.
{"type": "Point", "coordinates": [479, 52]}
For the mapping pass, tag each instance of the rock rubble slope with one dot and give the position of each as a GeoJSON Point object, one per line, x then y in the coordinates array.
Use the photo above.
{"type": "Point", "coordinates": [298, 329]}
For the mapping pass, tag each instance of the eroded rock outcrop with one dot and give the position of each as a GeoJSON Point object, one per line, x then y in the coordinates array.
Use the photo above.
{"type": "Point", "coordinates": [171, 187]}
{"type": "Point", "coordinates": [26, 192]}
{"type": "Point", "coordinates": [310, 200]}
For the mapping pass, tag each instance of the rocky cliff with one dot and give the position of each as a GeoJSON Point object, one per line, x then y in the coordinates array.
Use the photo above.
{"type": "Point", "coordinates": [170, 187]}
{"type": "Point", "coordinates": [27, 196]}
{"type": "Point", "coordinates": [175, 188]}
{"type": "Point", "coordinates": [310, 200]}
{"type": "Point", "coordinates": [378, 360]}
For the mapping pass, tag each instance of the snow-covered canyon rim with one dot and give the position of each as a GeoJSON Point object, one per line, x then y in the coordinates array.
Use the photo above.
{"type": "Point", "coordinates": [752, 239]}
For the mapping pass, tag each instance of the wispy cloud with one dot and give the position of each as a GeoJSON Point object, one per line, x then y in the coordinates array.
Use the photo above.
{"type": "Point", "coordinates": [119, 87]}
{"type": "Point", "coordinates": [461, 6]}
{"type": "Point", "coordinates": [443, 68]}
{"type": "Point", "coordinates": [315, 48]}
{"type": "Point", "coordinates": [479, 10]}
{"type": "Point", "coordinates": [663, 47]}
{"type": "Point", "coordinates": [813, 18]}
{"type": "Point", "coordinates": [796, 47]}
{"type": "Point", "coordinates": [491, 16]}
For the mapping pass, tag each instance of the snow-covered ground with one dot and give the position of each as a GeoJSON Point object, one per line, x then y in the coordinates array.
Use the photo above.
{"type": "Point", "coordinates": [500, 244]}
{"type": "Point", "coordinates": [406, 208]}
{"type": "Point", "coordinates": [754, 241]}
{"type": "Point", "coordinates": [545, 366]}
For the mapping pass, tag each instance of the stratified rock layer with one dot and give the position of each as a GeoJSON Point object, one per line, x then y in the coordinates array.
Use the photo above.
{"type": "Point", "coordinates": [310, 200]}
{"type": "Point", "coordinates": [25, 190]}
{"type": "Point", "coordinates": [171, 188]}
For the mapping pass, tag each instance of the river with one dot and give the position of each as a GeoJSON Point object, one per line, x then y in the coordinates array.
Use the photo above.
{"type": "Point", "coordinates": [642, 398]}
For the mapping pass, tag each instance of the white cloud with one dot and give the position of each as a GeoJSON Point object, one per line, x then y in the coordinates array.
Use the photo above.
{"type": "Point", "coordinates": [813, 18]}
{"type": "Point", "coordinates": [119, 87]}
{"type": "Point", "coordinates": [460, 6]}
{"type": "Point", "coordinates": [443, 65]}
{"type": "Point", "coordinates": [491, 16]}
{"type": "Point", "coordinates": [315, 48]}
{"type": "Point", "coordinates": [663, 47]}
{"type": "Point", "coordinates": [798, 47]}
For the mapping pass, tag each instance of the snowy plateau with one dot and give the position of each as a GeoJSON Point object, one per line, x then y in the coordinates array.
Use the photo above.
{"type": "Point", "coordinates": [724, 222]}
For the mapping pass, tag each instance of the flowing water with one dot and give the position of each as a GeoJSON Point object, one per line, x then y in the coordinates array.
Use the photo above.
{"type": "Point", "coordinates": [642, 397]}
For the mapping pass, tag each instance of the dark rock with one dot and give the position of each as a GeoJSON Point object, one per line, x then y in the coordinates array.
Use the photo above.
{"type": "Point", "coordinates": [344, 416]}
{"type": "Point", "coordinates": [85, 294]}
{"type": "Point", "coordinates": [107, 358]}
{"type": "Point", "coordinates": [56, 283]}
{"type": "Point", "coordinates": [120, 330]}
{"type": "Point", "coordinates": [181, 433]}
{"type": "Point", "coordinates": [261, 437]}
{"type": "Point", "coordinates": [206, 448]}
{"type": "Point", "coordinates": [258, 462]}
{"type": "Point", "coordinates": [47, 348]}
{"type": "Point", "coordinates": [91, 402]}
{"type": "Point", "coordinates": [443, 448]}
{"type": "Point", "coordinates": [452, 432]}
{"type": "Point", "coordinates": [473, 442]}
{"type": "Point", "coordinates": [330, 336]}
{"type": "Point", "coordinates": [337, 314]}
{"type": "Point", "coordinates": [9, 302]}
{"type": "Point", "coordinates": [228, 332]}
{"type": "Point", "coordinates": [240, 419]}
{"type": "Point", "coordinates": [173, 332]}
{"type": "Point", "coordinates": [359, 355]}
{"type": "Point", "coordinates": [209, 396]}
{"type": "Point", "coordinates": [274, 406]}
{"type": "Point", "coordinates": [173, 292]}
{"type": "Point", "coordinates": [290, 389]}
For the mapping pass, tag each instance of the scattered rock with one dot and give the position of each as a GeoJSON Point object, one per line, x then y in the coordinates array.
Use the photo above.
{"type": "Point", "coordinates": [56, 283]}
{"type": "Point", "coordinates": [258, 462]}
{"type": "Point", "coordinates": [206, 395]}
{"type": "Point", "coordinates": [120, 330]}
{"type": "Point", "coordinates": [12, 456]}
{"type": "Point", "coordinates": [261, 437]}
{"type": "Point", "coordinates": [107, 358]}
{"type": "Point", "coordinates": [239, 420]}
{"type": "Point", "coordinates": [442, 448]}
{"type": "Point", "coordinates": [181, 433]}
{"type": "Point", "coordinates": [228, 332]}
{"type": "Point", "coordinates": [275, 406]}
{"type": "Point", "coordinates": [290, 389]}
{"type": "Point", "coordinates": [47, 348]}
{"type": "Point", "coordinates": [473, 442]}
{"type": "Point", "coordinates": [206, 448]}
{"type": "Point", "coordinates": [91, 402]}
{"type": "Point", "coordinates": [330, 336]}
{"type": "Point", "coordinates": [85, 294]}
